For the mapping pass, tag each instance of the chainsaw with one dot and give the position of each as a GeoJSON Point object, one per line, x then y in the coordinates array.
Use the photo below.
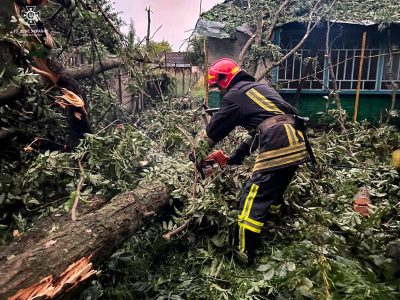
{"type": "Point", "coordinates": [217, 160]}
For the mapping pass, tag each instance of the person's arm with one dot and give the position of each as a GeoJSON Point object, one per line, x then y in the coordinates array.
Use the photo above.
{"type": "Point", "coordinates": [238, 156]}
{"type": "Point", "coordinates": [221, 124]}
{"type": "Point", "coordinates": [223, 121]}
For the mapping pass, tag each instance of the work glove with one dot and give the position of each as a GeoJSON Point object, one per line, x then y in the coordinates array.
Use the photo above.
{"type": "Point", "coordinates": [239, 154]}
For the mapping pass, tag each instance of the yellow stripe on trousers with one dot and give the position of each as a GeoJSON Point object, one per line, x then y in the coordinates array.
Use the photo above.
{"type": "Point", "coordinates": [245, 213]}
{"type": "Point", "coordinates": [250, 196]}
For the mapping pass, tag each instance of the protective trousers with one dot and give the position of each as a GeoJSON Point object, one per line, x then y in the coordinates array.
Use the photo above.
{"type": "Point", "coordinates": [262, 194]}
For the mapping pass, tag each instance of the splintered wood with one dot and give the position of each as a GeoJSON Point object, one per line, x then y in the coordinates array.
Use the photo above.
{"type": "Point", "coordinates": [48, 288]}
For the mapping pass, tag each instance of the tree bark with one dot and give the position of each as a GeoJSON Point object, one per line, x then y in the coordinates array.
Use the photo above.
{"type": "Point", "coordinates": [148, 27]}
{"type": "Point", "coordinates": [12, 93]}
{"type": "Point", "coordinates": [98, 234]}
{"type": "Point", "coordinates": [89, 71]}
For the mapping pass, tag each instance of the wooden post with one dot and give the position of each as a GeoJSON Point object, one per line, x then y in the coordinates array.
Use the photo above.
{"type": "Point", "coordinates": [364, 39]}
{"type": "Point", "coordinates": [176, 80]}
{"type": "Point", "coordinates": [206, 71]}
{"type": "Point", "coordinates": [148, 10]}
{"type": "Point", "coordinates": [120, 87]}
{"type": "Point", "coordinates": [190, 76]}
{"type": "Point", "coordinates": [183, 81]}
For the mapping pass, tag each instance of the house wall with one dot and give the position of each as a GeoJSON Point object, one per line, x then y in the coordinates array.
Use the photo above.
{"type": "Point", "coordinates": [219, 48]}
{"type": "Point", "coordinates": [345, 51]}
{"type": "Point", "coordinates": [371, 107]}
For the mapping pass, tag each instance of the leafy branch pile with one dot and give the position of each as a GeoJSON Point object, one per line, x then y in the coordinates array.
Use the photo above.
{"type": "Point", "coordinates": [320, 248]}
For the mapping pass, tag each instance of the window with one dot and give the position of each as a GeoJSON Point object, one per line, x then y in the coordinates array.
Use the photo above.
{"type": "Point", "coordinates": [393, 73]}
{"type": "Point", "coordinates": [346, 63]}
{"type": "Point", "coordinates": [378, 70]}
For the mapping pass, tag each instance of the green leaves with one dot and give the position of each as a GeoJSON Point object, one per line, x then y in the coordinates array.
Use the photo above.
{"type": "Point", "coordinates": [325, 248]}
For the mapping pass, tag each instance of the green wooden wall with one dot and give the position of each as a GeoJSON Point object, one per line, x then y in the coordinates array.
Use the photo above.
{"type": "Point", "coordinates": [371, 107]}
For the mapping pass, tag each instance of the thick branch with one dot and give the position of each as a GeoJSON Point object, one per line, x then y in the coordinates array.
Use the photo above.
{"type": "Point", "coordinates": [78, 191]}
{"type": "Point", "coordinates": [12, 93]}
{"type": "Point", "coordinates": [89, 71]}
{"type": "Point", "coordinates": [148, 26]}
{"type": "Point", "coordinates": [245, 49]}
{"type": "Point", "coordinates": [333, 77]}
{"type": "Point", "coordinates": [98, 234]}
{"type": "Point", "coordinates": [257, 42]}
{"type": "Point", "coordinates": [275, 20]}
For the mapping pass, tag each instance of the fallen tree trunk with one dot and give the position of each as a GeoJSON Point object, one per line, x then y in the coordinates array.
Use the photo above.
{"type": "Point", "coordinates": [12, 93]}
{"type": "Point", "coordinates": [89, 71]}
{"type": "Point", "coordinates": [96, 234]}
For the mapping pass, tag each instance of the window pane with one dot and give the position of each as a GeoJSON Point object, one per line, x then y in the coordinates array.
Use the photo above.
{"type": "Point", "coordinates": [369, 85]}
{"type": "Point", "coordinates": [346, 85]}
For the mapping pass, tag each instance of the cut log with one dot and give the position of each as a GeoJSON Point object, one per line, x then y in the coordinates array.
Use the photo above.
{"type": "Point", "coordinates": [96, 234]}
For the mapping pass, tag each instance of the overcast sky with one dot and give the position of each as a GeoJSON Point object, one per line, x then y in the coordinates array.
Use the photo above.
{"type": "Point", "coordinates": [177, 17]}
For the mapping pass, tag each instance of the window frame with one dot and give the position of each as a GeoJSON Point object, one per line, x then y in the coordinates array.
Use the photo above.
{"type": "Point", "coordinates": [370, 51]}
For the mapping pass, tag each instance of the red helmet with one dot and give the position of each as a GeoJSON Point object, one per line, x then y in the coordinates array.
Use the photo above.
{"type": "Point", "coordinates": [222, 72]}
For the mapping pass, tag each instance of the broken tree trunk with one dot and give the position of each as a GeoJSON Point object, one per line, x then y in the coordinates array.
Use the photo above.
{"type": "Point", "coordinates": [12, 93]}
{"type": "Point", "coordinates": [97, 234]}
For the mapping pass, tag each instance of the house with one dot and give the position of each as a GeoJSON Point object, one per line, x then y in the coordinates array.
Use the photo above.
{"type": "Point", "coordinates": [305, 84]}
{"type": "Point", "coordinates": [380, 70]}
{"type": "Point", "coordinates": [219, 42]}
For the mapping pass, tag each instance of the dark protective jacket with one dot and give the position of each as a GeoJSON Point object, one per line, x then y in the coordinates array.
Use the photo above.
{"type": "Point", "coordinates": [248, 104]}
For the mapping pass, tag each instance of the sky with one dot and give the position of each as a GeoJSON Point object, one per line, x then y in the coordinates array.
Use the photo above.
{"type": "Point", "coordinates": [177, 17]}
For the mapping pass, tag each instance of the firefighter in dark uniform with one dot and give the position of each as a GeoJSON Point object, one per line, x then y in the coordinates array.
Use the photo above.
{"type": "Point", "coordinates": [271, 123]}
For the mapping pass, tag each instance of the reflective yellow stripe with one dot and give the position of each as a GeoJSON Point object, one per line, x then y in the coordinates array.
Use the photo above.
{"type": "Point", "coordinates": [280, 161]}
{"type": "Point", "coordinates": [249, 227]}
{"type": "Point", "coordinates": [254, 222]}
{"type": "Point", "coordinates": [235, 70]}
{"type": "Point", "coordinates": [301, 134]}
{"type": "Point", "coordinates": [262, 101]}
{"type": "Point", "coordinates": [242, 245]}
{"type": "Point", "coordinates": [244, 216]}
{"type": "Point", "coordinates": [289, 134]}
{"type": "Point", "coordinates": [247, 203]}
{"type": "Point", "coordinates": [281, 151]}
{"type": "Point", "coordinates": [295, 138]}
{"type": "Point", "coordinates": [251, 203]}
